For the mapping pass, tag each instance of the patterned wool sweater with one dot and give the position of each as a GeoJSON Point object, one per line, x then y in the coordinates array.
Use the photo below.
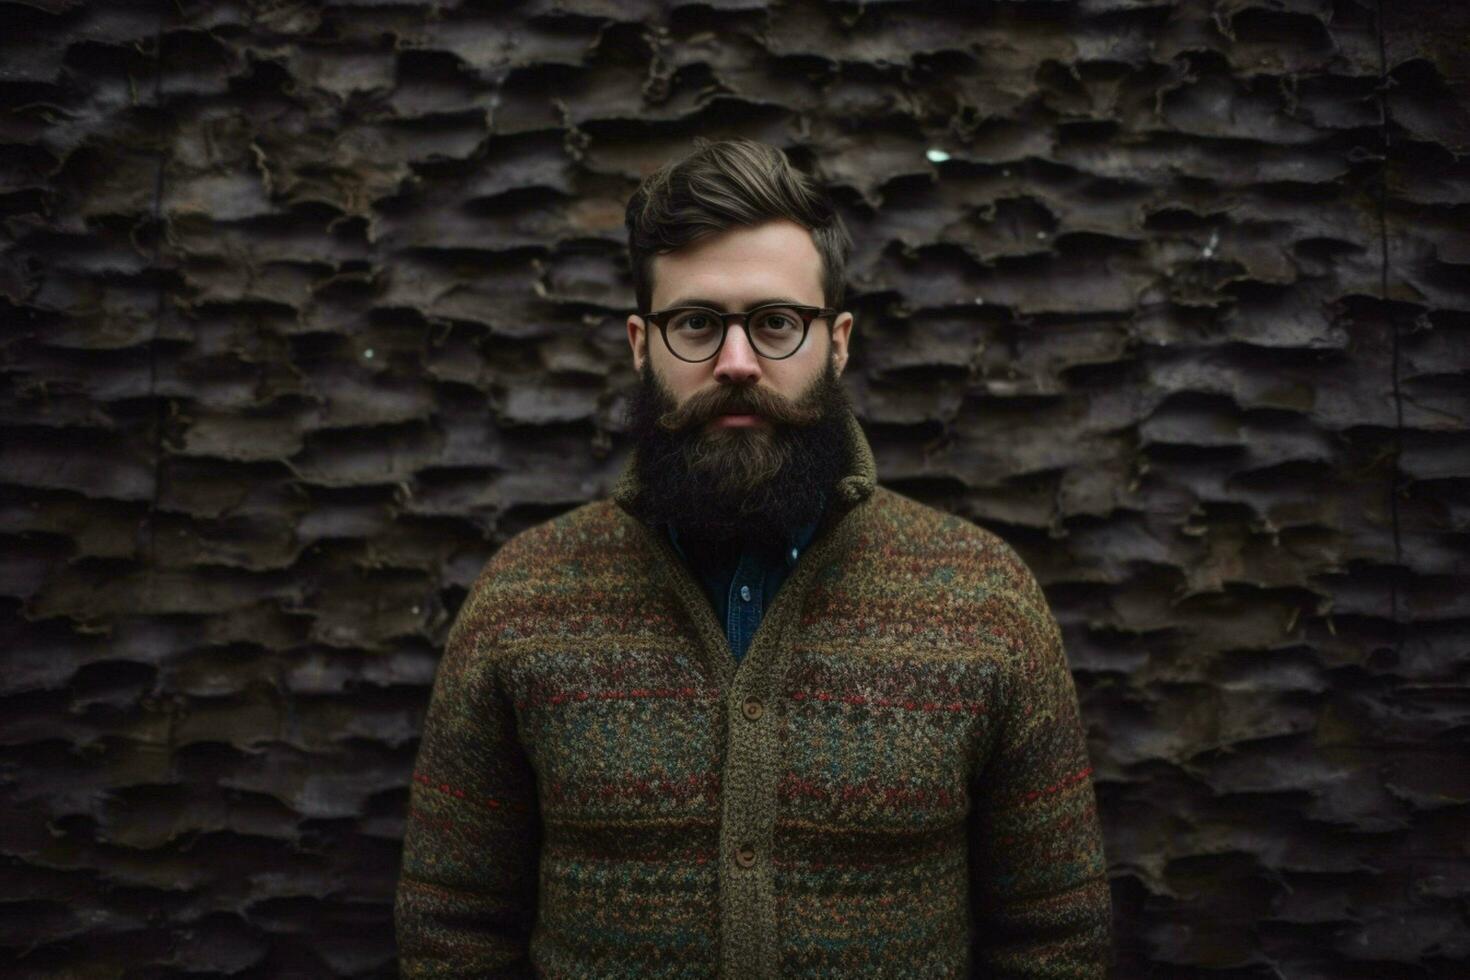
{"type": "Point", "coordinates": [893, 782]}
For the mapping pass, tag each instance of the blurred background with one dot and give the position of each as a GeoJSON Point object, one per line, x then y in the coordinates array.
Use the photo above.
{"type": "Point", "coordinates": [306, 307]}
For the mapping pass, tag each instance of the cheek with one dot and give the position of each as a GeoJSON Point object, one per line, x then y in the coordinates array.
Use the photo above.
{"type": "Point", "coordinates": [682, 380]}
{"type": "Point", "coordinates": [789, 383]}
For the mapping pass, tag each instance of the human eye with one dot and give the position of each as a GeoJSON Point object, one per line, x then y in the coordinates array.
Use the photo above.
{"type": "Point", "coordinates": [692, 321]}
{"type": "Point", "coordinates": [778, 319]}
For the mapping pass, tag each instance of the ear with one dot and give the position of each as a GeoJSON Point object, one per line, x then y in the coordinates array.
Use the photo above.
{"type": "Point", "coordinates": [637, 329]}
{"type": "Point", "coordinates": [841, 329]}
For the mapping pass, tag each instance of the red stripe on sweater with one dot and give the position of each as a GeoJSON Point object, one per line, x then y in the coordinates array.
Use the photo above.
{"type": "Point", "coordinates": [490, 802]}
{"type": "Point", "coordinates": [1059, 785]}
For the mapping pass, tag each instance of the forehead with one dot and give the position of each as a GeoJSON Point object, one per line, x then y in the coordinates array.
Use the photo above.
{"type": "Point", "coordinates": [738, 265]}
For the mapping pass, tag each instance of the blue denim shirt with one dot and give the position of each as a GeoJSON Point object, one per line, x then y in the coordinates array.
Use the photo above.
{"type": "Point", "coordinates": [740, 594]}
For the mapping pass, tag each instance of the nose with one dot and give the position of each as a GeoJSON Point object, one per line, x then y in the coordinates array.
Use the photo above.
{"type": "Point", "coordinates": [737, 363]}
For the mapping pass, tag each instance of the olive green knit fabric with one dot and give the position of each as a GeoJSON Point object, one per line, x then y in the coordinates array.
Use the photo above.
{"type": "Point", "coordinates": [893, 782]}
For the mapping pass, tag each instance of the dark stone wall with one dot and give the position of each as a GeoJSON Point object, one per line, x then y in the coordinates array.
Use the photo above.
{"type": "Point", "coordinates": [307, 307]}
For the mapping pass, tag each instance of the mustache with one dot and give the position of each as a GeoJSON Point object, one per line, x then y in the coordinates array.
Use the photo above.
{"type": "Point", "coordinates": [748, 400]}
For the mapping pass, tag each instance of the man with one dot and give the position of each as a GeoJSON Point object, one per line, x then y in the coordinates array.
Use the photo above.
{"type": "Point", "coordinates": [755, 715]}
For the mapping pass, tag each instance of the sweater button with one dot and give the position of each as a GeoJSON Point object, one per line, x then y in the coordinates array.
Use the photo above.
{"type": "Point", "coordinates": [745, 592]}
{"type": "Point", "coordinates": [752, 708]}
{"type": "Point", "coordinates": [745, 857]}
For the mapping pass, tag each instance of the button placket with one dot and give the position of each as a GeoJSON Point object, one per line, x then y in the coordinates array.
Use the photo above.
{"type": "Point", "coordinates": [733, 618]}
{"type": "Point", "coordinates": [751, 774]}
{"type": "Point", "coordinates": [750, 612]}
{"type": "Point", "coordinates": [744, 602]}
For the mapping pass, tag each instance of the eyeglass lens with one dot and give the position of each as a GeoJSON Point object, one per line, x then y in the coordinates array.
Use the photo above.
{"type": "Point", "coordinates": [775, 331]}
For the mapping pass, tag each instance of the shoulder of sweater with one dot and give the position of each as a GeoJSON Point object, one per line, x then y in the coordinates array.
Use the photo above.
{"type": "Point", "coordinates": [587, 527]}
{"type": "Point", "coordinates": [507, 586]}
{"type": "Point", "coordinates": [959, 536]}
{"type": "Point", "coordinates": [977, 561]}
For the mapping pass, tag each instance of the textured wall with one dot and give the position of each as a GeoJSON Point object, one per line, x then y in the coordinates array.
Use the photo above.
{"type": "Point", "coordinates": [307, 307]}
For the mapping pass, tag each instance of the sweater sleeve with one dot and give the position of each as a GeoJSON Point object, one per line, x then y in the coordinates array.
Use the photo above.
{"type": "Point", "coordinates": [466, 897]}
{"type": "Point", "coordinates": [1039, 890]}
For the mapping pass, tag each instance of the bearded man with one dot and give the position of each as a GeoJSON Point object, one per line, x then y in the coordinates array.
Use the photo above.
{"type": "Point", "coordinates": [752, 715]}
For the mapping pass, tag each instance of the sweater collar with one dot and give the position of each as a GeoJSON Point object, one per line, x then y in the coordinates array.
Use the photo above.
{"type": "Point", "coordinates": [851, 488]}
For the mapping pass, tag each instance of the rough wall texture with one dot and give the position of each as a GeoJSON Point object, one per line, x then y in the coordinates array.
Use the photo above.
{"type": "Point", "coordinates": [307, 307]}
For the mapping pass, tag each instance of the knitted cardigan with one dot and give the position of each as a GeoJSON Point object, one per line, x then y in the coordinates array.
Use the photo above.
{"type": "Point", "coordinates": [893, 782]}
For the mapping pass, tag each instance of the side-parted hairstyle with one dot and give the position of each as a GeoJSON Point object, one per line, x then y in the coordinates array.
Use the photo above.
{"type": "Point", "coordinates": [724, 184]}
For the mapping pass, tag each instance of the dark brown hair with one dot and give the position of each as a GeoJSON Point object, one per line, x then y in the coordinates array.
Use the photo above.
{"type": "Point", "coordinates": [723, 184]}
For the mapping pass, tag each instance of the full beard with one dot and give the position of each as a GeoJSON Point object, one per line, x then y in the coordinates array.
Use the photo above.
{"type": "Point", "coordinates": [750, 483]}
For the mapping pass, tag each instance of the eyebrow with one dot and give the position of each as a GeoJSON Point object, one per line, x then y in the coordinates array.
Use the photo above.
{"type": "Point", "coordinates": [701, 301]}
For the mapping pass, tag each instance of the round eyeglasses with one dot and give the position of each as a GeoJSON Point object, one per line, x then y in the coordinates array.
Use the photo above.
{"type": "Point", "coordinates": [696, 333]}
